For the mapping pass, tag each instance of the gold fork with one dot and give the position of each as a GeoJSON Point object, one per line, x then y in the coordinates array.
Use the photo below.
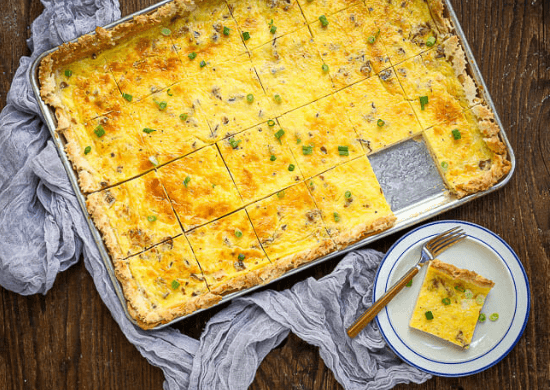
{"type": "Point", "coordinates": [429, 251]}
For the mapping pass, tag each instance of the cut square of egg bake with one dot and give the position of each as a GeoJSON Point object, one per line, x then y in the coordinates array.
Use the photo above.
{"type": "Point", "coordinates": [449, 303]}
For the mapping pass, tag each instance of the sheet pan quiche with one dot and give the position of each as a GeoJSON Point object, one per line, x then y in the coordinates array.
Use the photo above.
{"type": "Point", "coordinates": [222, 143]}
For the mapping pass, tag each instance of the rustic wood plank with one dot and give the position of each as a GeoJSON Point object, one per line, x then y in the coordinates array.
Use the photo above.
{"type": "Point", "coordinates": [67, 339]}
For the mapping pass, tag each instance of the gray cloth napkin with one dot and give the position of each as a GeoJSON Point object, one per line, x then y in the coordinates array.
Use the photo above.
{"type": "Point", "coordinates": [43, 232]}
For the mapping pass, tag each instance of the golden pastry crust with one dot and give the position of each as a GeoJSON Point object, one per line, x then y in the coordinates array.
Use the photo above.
{"type": "Point", "coordinates": [462, 274]}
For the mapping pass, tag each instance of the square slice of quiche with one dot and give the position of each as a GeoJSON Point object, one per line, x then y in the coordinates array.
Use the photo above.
{"type": "Point", "coordinates": [229, 253]}
{"type": "Point", "coordinates": [351, 201]}
{"type": "Point", "coordinates": [449, 303]}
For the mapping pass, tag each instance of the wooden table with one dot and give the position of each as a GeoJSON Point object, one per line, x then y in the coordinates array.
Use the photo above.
{"type": "Point", "coordinates": [68, 340]}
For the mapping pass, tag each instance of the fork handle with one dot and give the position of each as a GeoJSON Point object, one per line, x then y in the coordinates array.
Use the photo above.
{"type": "Point", "coordinates": [369, 315]}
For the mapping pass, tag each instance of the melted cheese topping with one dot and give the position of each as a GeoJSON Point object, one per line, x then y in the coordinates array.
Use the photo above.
{"type": "Point", "coordinates": [323, 127]}
{"type": "Point", "coordinates": [218, 245]}
{"type": "Point", "coordinates": [462, 160]}
{"type": "Point", "coordinates": [223, 94]}
{"type": "Point", "coordinates": [369, 102]}
{"type": "Point", "coordinates": [287, 67]}
{"type": "Point", "coordinates": [347, 217]}
{"type": "Point", "coordinates": [209, 192]}
{"type": "Point", "coordinates": [258, 16]}
{"type": "Point", "coordinates": [313, 9]}
{"type": "Point", "coordinates": [289, 224]}
{"type": "Point", "coordinates": [456, 321]}
{"type": "Point", "coordinates": [168, 275]}
{"type": "Point", "coordinates": [139, 213]}
{"type": "Point", "coordinates": [248, 156]}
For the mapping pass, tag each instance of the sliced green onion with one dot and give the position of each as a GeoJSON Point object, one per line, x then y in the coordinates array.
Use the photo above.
{"type": "Point", "coordinates": [291, 167]}
{"type": "Point", "coordinates": [371, 39]}
{"type": "Point", "coordinates": [152, 218]}
{"type": "Point", "coordinates": [87, 149]}
{"type": "Point", "coordinates": [277, 98]}
{"type": "Point", "coordinates": [446, 301]}
{"type": "Point", "coordinates": [162, 105]}
{"type": "Point", "coordinates": [347, 194]}
{"type": "Point", "coordinates": [307, 150]}
{"type": "Point", "coordinates": [154, 160]}
{"type": "Point", "coordinates": [127, 96]}
{"type": "Point", "coordinates": [430, 41]}
{"type": "Point", "coordinates": [234, 143]}
{"type": "Point", "coordinates": [444, 164]}
{"type": "Point", "coordinates": [429, 315]}
{"type": "Point", "coordinates": [323, 20]}
{"type": "Point", "coordinates": [68, 73]}
{"type": "Point", "coordinates": [281, 194]}
{"type": "Point", "coordinates": [273, 29]}
{"type": "Point", "coordinates": [482, 317]}
{"type": "Point", "coordinates": [459, 288]}
{"type": "Point", "coordinates": [324, 67]}
{"type": "Point", "coordinates": [423, 102]}
{"type": "Point", "coordinates": [175, 284]}
{"type": "Point", "coordinates": [186, 181]}
{"type": "Point", "coordinates": [202, 64]}
{"type": "Point", "coordinates": [298, 140]}
{"type": "Point", "coordinates": [246, 35]}
{"type": "Point", "coordinates": [192, 55]}
{"type": "Point", "coordinates": [273, 157]}
{"type": "Point", "coordinates": [271, 123]}
{"type": "Point", "coordinates": [241, 257]}
{"type": "Point", "coordinates": [409, 284]}
{"type": "Point", "coordinates": [184, 117]}
{"type": "Point", "coordinates": [380, 123]}
{"type": "Point", "coordinates": [456, 134]}
{"type": "Point", "coordinates": [468, 294]}
{"type": "Point", "coordinates": [213, 186]}
{"type": "Point", "coordinates": [148, 130]}
{"type": "Point", "coordinates": [226, 30]}
{"type": "Point", "coordinates": [343, 150]}
{"type": "Point", "coordinates": [336, 217]}
{"type": "Point", "coordinates": [279, 134]}
{"type": "Point", "coordinates": [493, 317]}
{"type": "Point", "coordinates": [238, 233]}
{"type": "Point", "coordinates": [169, 92]}
{"type": "Point", "coordinates": [480, 299]}
{"type": "Point", "coordinates": [99, 131]}
{"type": "Point", "coordinates": [165, 31]}
{"type": "Point", "coordinates": [249, 98]}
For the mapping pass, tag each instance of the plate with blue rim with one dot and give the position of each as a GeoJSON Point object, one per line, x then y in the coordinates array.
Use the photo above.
{"type": "Point", "coordinates": [483, 252]}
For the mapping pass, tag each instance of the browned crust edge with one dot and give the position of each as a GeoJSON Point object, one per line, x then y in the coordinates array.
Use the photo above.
{"type": "Point", "coordinates": [96, 205]}
{"type": "Point", "coordinates": [462, 274]}
{"type": "Point", "coordinates": [364, 230]}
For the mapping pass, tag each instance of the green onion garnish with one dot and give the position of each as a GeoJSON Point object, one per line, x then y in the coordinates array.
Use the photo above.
{"type": "Point", "coordinates": [271, 123]}
{"type": "Point", "coordinates": [480, 299]}
{"type": "Point", "coordinates": [246, 35]}
{"type": "Point", "coordinates": [459, 288]}
{"type": "Point", "coordinates": [241, 257]}
{"type": "Point", "coordinates": [444, 164]}
{"type": "Point", "coordinates": [456, 134]}
{"type": "Point", "coordinates": [277, 98]}
{"type": "Point", "coordinates": [281, 194]}
{"type": "Point", "coordinates": [175, 284]}
{"type": "Point", "coordinates": [446, 301]}
{"type": "Point", "coordinates": [87, 149]}
{"type": "Point", "coordinates": [429, 315]}
{"type": "Point", "coordinates": [154, 160]}
{"type": "Point", "coordinates": [273, 29]}
{"type": "Point", "coordinates": [186, 181]}
{"type": "Point", "coordinates": [468, 294]}
{"type": "Point", "coordinates": [493, 317]}
{"type": "Point", "coordinates": [430, 41]}
{"type": "Point", "coordinates": [307, 149]}
{"type": "Point", "coordinates": [324, 67]}
{"type": "Point", "coordinates": [152, 218]}
{"type": "Point", "coordinates": [409, 284]}
{"type": "Point", "coordinates": [249, 98]}
{"type": "Point", "coordinates": [68, 73]}
{"type": "Point", "coordinates": [291, 167]}
{"type": "Point", "coordinates": [336, 217]}
{"type": "Point", "coordinates": [423, 102]}
{"type": "Point", "coordinates": [127, 96]}
{"type": "Point", "coordinates": [323, 20]}
{"type": "Point", "coordinates": [347, 194]}
{"type": "Point", "coordinates": [343, 150]}
{"type": "Point", "coordinates": [371, 39]}
{"type": "Point", "coordinates": [238, 233]}
{"type": "Point", "coordinates": [234, 143]}
{"type": "Point", "coordinates": [298, 140]}
{"type": "Point", "coordinates": [202, 64]}
{"type": "Point", "coordinates": [279, 134]}
{"type": "Point", "coordinates": [162, 105]}
{"type": "Point", "coordinates": [482, 317]}
{"type": "Point", "coordinates": [192, 55]}
{"type": "Point", "coordinates": [226, 30]}
{"type": "Point", "coordinates": [99, 131]}
{"type": "Point", "coordinates": [380, 123]}
{"type": "Point", "coordinates": [148, 130]}
{"type": "Point", "coordinates": [165, 31]}
{"type": "Point", "coordinates": [183, 117]}
{"type": "Point", "coordinates": [169, 92]}
{"type": "Point", "coordinates": [273, 157]}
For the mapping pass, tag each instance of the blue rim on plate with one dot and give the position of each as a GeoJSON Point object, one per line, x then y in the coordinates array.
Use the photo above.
{"type": "Point", "coordinates": [422, 362]}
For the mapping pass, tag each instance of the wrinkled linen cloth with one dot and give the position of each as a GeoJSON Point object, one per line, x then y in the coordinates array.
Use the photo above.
{"type": "Point", "coordinates": [43, 232]}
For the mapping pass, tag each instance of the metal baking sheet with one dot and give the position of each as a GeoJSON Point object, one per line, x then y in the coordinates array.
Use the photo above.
{"type": "Point", "coordinates": [406, 172]}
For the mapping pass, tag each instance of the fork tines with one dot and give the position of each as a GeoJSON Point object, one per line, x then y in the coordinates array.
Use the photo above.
{"type": "Point", "coordinates": [445, 240]}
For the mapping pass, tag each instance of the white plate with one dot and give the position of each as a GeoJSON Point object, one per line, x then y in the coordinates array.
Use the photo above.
{"type": "Point", "coordinates": [483, 252]}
